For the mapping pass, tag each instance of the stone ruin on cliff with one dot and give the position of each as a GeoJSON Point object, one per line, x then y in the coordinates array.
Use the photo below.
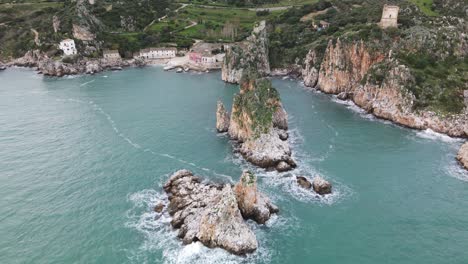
{"type": "Point", "coordinates": [389, 17]}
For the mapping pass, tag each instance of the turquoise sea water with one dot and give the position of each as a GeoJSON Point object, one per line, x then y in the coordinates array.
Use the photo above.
{"type": "Point", "coordinates": [83, 160]}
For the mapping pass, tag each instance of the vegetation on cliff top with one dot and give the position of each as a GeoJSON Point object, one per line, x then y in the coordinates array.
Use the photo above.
{"type": "Point", "coordinates": [258, 100]}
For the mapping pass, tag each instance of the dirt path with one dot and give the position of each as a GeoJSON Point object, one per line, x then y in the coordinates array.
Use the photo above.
{"type": "Point", "coordinates": [164, 17]}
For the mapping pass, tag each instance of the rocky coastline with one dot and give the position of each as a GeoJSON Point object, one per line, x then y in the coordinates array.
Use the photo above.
{"type": "Point", "coordinates": [50, 67]}
{"type": "Point", "coordinates": [216, 214]}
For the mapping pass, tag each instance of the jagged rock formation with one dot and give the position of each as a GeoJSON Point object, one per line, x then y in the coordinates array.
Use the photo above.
{"type": "Point", "coordinates": [351, 68]}
{"type": "Point", "coordinates": [252, 53]}
{"type": "Point", "coordinates": [211, 213]}
{"type": "Point", "coordinates": [259, 123]}
{"type": "Point", "coordinates": [222, 118]}
{"type": "Point", "coordinates": [463, 155]}
{"type": "Point", "coordinates": [253, 204]}
{"type": "Point", "coordinates": [321, 186]}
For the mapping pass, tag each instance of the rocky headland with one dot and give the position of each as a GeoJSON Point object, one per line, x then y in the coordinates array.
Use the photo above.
{"type": "Point", "coordinates": [377, 82]}
{"type": "Point", "coordinates": [215, 214]}
{"type": "Point", "coordinates": [258, 123]}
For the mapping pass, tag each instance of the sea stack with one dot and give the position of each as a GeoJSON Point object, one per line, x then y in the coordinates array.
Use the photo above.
{"type": "Point", "coordinates": [214, 214]}
{"type": "Point", "coordinates": [259, 123]}
{"type": "Point", "coordinates": [222, 118]}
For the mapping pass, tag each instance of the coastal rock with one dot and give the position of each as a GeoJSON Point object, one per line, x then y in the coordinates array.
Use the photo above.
{"type": "Point", "coordinates": [159, 208]}
{"type": "Point", "coordinates": [321, 186]}
{"type": "Point", "coordinates": [211, 213]}
{"type": "Point", "coordinates": [253, 204]}
{"type": "Point", "coordinates": [257, 122]}
{"type": "Point", "coordinates": [310, 73]}
{"type": "Point", "coordinates": [222, 118]}
{"type": "Point", "coordinates": [283, 134]}
{"type": "Point", "coordinates": [283, 166]}
{"type": "Point", "coordinates": [463, 155]}
{"type": "Point", "coordinates": [303, 182]}
{"type": "Point", "coordinates": [280, 118]}
{"type": "Point", "coordinates": [343, 96]}
{"type": "Point", "coordinates": [93, 67]}
{"type": "Point", "coordinates": [251, 53]}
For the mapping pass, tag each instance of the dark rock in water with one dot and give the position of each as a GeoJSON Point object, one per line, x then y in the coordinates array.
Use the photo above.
{"type": "Point", "coordinates": [303, 182]}
{"type": "Point", "coordinates": [159, 208]}
{"type": "Point", "coordinates": [283, 166]}
{"type": "Point", "coordinates": [253, 204]}
{"type": "Point", "coordinates": [211, 213]}
{"type": "Point", "coordinates": [116, 68]}
{"type": "Point", "coordinates": [321, 186]}
{"type": "Point", "coordinates": [2, 68]}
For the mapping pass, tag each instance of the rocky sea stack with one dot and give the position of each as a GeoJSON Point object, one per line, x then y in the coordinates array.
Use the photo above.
{"type": "Point", "coordinates": [259, 123]}
{"type": "Point", "coordinates": [215, 214]}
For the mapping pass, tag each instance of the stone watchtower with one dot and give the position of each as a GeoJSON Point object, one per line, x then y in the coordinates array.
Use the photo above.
{"type": "Point", "coordinates": [389, 17]}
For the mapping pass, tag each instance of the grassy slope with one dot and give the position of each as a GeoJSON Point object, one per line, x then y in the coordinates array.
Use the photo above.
{"type": "Point", "coordinates": [425, 6]}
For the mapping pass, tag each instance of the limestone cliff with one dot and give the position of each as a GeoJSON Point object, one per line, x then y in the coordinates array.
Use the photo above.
{"type": "Point", "coordinates": [377, 82]}
{"type": "Point", "coordinates": [252, 53]}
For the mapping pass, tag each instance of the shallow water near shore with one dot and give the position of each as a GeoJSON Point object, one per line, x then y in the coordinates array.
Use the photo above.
{"type": "Point", "coordinates": [83, 160]}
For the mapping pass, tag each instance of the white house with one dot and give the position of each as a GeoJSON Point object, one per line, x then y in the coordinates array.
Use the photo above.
{"type": "Point", "coordinates": [111, 54]}
{"type": "Point", "coordinates": [208, 59]}
{"type": "Point", "coordinates": [68, 47]}
{"type": "Point", "coordinates": [158, 53]}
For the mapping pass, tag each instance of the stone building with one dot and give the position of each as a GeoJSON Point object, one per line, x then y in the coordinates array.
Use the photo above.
{"type": "Point", "coordinates": [158, 53]}
{"type": "Point", "coordinates": [389, 17]}
{"type": "Point", "coordinates": [111, 54]}
{"type": "Point", "coordinates": [68, 47]}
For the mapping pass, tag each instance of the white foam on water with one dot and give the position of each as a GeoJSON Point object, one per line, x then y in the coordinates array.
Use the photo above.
{"type": "Point", "coordinates": [159, 236]}
{"type": "Point", "coordinates": [430, 134]}
{"type": "Point", "coordinates": [86, 83]}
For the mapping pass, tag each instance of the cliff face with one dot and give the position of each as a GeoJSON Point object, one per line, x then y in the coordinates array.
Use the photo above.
{"type": "Point", "coordinates": [378, 83]}
{"type": "Point", "coordinates": [344, 66]}
{"type": "Point", "coordinates": [252, 53]}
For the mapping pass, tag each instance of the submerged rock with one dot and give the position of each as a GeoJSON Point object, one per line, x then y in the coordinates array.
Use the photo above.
{"type": "Point", "coordinates": [222, 118]}
{"type": "Point", "coordinates": [463, 155]}
{"type": "Point", "coordinates": [159, 208]}
{"type": "Point", "coordinates": [211, 213]}
{"type": "Point", "coordinates": [303, 182]}
{"type": "Point", "coordinates": [253, 204]}
{"type": "Point", "coordinates": [321, 186]}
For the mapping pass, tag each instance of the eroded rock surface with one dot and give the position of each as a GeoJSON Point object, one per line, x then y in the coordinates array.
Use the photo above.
{"type": "Point", "coordinates": [253, 204]}
{"type": "Point", "coordinates": [211, 213]}
{"type": "Point", "coordinates": [321, 186]}
{"type": "Point", "coordinates": [463, 155]}
{"type": "Point", "coordinates": [222, 118]}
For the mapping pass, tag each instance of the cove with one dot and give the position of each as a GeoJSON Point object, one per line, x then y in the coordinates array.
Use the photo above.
{"type": "Point", "coordinates": [83, 160]}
